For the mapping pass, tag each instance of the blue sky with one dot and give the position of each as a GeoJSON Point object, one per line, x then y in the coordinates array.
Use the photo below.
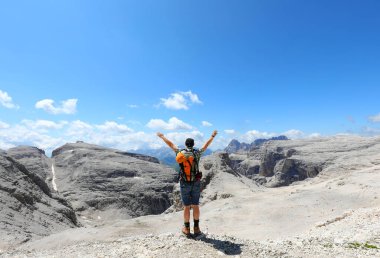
{"type": "Point", "coordinates": [115, 72]}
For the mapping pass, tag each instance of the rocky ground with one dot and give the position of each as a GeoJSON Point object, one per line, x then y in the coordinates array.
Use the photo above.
{"type": "Point", "coordinates": [175, 245]}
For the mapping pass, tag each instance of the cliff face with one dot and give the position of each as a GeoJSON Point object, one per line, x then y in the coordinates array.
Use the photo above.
{"type": "Point", "coordinates": [41, 195]}
{"type": "Point", "coordinates": [104, 183]}
{"type": "Point", "coordinates": [34, 160]}
{"type": "Point", "coordinates": [280, 162]}
{"type": "Point", "coordinates": [28, 208]}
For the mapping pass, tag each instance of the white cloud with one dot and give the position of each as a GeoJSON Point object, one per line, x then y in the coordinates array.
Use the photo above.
{"type": "Point", "coordinates": [6, 100]}
{"type": "Point", "coordinates": [133, 106]}
{"type": "Point", "coordinates": [127, 141]}
{"type": "Point", "coordinates": [111, 127]}
{"type": "Point", "coordinates": [375, 118]}
{"type": "Point", "coordinates": [294, 134]}
{"type": "Point", "coordinates": [5, 145]}
{"type": "Point", "coordinates": [229, 131]}
{"type": "Point", "coordinates": [193, 97]}
{"type": "Point", "coordinates": [44, 125]}
{"type": "Point", "coordinates": [207, 124]}
{"type": "Point", "coordinates": [173, 124]}
{"type": "Point", "coordinates": [23, 135]}
{"type": "Point", "coordinates": [67, 106]}
{"type": "Point", "coordinates": [252, 135]}
{"type": "Point", "coordinates": [315, 135]}
{"type": "Point", "coordinates": [180, 100]}
{"type": "Point", "coordinates": [369, 131]}
{"type": "Point", "coordinates": [79, 129]}
{"type": "Point", "coordinates": [110, 134]}
{"type": "Point", "coordinates": [4, 125]}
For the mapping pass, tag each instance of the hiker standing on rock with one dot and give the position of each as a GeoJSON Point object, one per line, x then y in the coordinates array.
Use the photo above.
{"type": "Point", "coordinates": [190, 179]}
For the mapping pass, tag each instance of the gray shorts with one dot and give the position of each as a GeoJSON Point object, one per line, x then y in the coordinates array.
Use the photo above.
{"type": "Point", "coordinates": [190, 192]}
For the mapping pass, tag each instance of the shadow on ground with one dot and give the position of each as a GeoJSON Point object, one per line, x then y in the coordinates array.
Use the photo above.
{"type": "Point", "coordinates": [225, 246]}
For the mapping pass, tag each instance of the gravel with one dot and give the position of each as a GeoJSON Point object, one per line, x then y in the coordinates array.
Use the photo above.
{"type": "Point", "coordinates": [176, 245]}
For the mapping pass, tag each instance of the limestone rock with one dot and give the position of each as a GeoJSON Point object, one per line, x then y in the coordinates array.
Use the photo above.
{"type": "Point", "coordinates": [35, 160]}
{"type": "Point", "coordinates": [28, 209]}
{"type": "Point", "coordinates": [235, 146]}
{"type": "Point", "coordinates": [105, 184]}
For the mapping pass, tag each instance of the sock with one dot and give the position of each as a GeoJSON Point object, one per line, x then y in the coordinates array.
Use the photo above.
{"type": "Point", "coordinates": [187, 224]}
{"type": "Point", "coordinates": [196, 223]}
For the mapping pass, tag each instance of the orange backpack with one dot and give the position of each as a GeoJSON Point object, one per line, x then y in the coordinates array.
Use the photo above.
{"type": "Point", "coordinates": [189, 164]}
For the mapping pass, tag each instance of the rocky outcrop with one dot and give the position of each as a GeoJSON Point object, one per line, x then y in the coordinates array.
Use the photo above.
{"type": "Point", "coordinates": [288, 170]}
{"type": "Point", "coordinates": [308, 157]}
{"type": "Point", "coordinates": [236, 146]}
{"type": "Point", "coordinates": [280, 163]}
{"type": "Point", "coordinates": [269, 161]}
{"type": "Point", "coordinates": [28, 208]}
{"type": "Point", "coordinates": [104, 184]}
{"type": "Point", "coordinates": [42, 195]}
{"type": "Point", "coordinates": [35, 160]}
{"type": "Point", "coordinates": [220, 178]}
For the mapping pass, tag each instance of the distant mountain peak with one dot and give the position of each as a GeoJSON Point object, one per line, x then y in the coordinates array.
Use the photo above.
{"type": "Point", "coordinates": [236, 146]}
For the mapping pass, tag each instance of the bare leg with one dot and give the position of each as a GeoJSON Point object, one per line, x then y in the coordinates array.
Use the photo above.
{"type": "Point", "coordinates": [186, 219]}
{"type": "Point", "coordinates": [196, 212]}
{"type": "Point", "coordinates": [186, 213]}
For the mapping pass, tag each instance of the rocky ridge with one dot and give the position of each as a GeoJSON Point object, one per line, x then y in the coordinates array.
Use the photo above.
{"type": "Point", "coordinates": [280, 163]}
{"type": "Point", "coordinates": [105, 184]}
{"type": "Point", "coordinates": [241, 147]}
{"type": "Point", "coordinates": [28, 207]}
{"type": "Point", "coordinates": [42, 195]}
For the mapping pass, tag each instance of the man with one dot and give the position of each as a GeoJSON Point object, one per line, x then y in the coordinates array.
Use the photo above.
{"type": "Point", "coordinates": [190, 177]}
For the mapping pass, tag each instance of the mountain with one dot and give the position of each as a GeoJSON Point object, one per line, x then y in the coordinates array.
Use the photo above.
{"type": "Point", "coordinates": [236, 146]}
{"type": "Point", "coordinates": [105, 184]}
{"type": "Point", "coordinates": [327, 206]}
{"type": "Point", "coordinates": [28, 207]}
{"type": "Point", "coordinates": [80, 184]}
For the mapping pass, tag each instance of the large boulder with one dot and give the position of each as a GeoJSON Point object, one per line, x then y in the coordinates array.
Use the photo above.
{"type": "Point", "coordinates": [105, 184]}
{"type": "Point", "coordinates": [28, 208]}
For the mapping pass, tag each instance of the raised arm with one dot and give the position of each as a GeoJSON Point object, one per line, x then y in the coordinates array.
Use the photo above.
{"type": "Point", "coordinates": [210, 140]}
{"type": "Point", "coordinates": [169, 143]}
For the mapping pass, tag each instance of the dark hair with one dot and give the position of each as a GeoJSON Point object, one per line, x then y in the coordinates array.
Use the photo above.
{"type": "Point", "coordinates": [189, 143]}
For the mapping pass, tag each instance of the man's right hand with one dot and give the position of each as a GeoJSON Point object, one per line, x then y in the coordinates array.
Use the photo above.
{"type": "Point", "coordinates": [160, 134]}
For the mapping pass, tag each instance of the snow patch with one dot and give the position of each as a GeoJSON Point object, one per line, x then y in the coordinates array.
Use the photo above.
{"type": "Point", "coordinates": [53, 181]}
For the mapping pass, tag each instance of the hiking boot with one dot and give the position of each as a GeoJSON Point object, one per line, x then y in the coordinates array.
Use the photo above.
{"type": "Point", "coordinates": [197, 231]}
{"type": "Point", "coordinates": [186, 231]}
